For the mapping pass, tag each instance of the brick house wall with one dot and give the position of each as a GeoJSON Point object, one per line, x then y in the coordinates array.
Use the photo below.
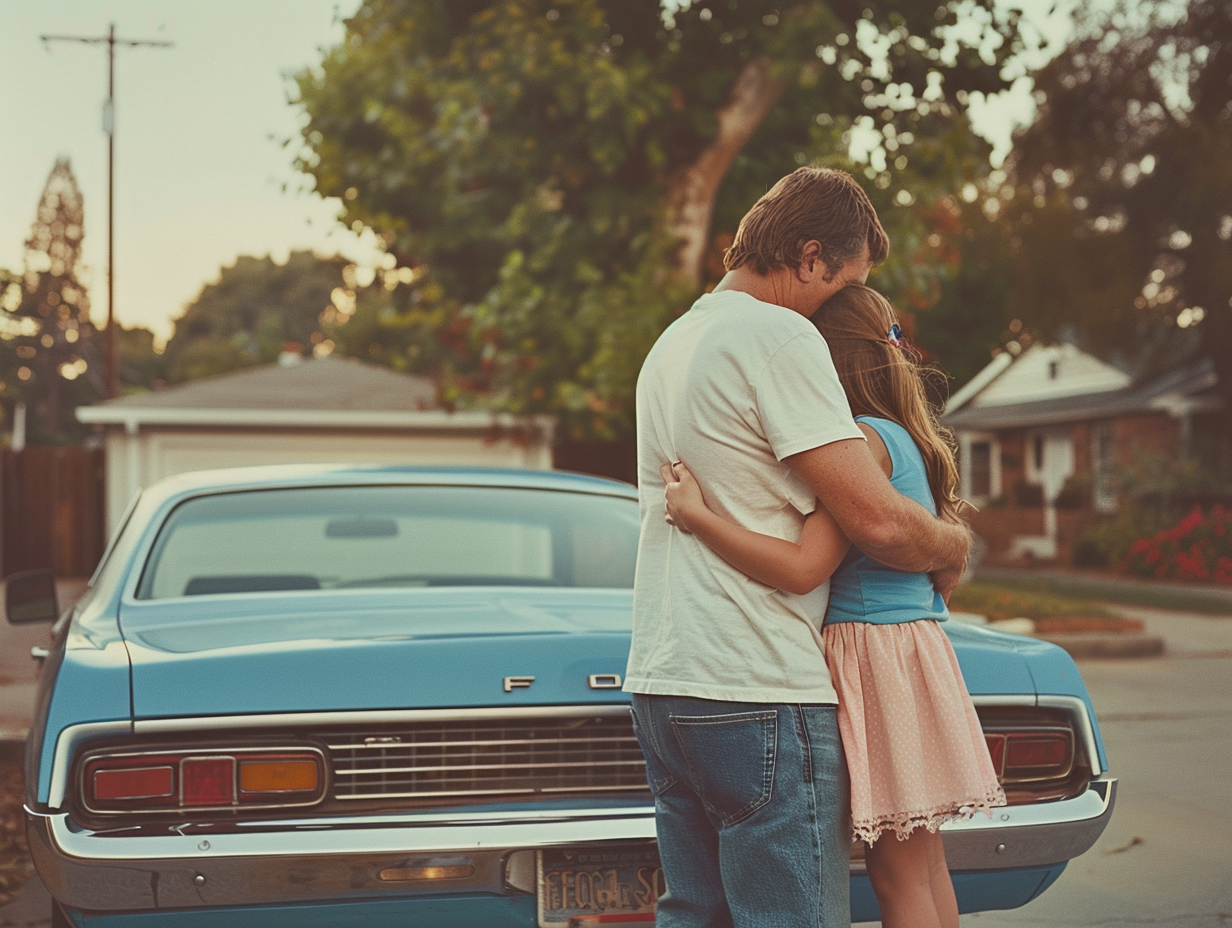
{"type": "Point", "coordinates": [1014, 513]}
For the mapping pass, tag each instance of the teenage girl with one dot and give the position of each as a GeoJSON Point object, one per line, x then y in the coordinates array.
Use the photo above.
{"type": "Point", "coordinates": [915, 751]}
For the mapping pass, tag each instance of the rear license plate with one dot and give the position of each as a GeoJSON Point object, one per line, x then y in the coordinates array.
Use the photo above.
{"type": "Point", "coordinates": [608, 885]}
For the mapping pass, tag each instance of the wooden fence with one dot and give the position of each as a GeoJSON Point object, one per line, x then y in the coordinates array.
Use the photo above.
{"type": "Point", "coordinates": [51, 508]}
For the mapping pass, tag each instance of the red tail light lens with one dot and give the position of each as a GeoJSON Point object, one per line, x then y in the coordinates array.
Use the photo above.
{"type": "Point", "coordinates": [128, 783]}
{"type": "Point", "coordinates": [1029, 756]}
{"type": "Point", "coordinates": [1038, 755]}
{"type": "Point", "coordinates": [207, 781]}
{"type": "Point", "coordinates": [136, 782]}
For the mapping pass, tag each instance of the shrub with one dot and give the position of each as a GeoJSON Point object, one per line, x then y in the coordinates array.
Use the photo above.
{"type": "Point", "coordinates": [1106, 543]}
{"type": "Point", "coordinates": [1199, 547]}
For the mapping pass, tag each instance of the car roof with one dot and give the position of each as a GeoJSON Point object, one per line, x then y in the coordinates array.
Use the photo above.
{"type": "Point", "coordinates": [286, 476]}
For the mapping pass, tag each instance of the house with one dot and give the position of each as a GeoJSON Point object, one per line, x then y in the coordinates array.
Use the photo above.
{"type": "Point", "coordinates": [1042, 435]}
{"type": "Point", "coordinates": [301, 411]}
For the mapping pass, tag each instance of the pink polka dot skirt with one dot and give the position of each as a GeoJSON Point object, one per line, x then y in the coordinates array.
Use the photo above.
{"type": "Point", "coordinates": [915, 750]}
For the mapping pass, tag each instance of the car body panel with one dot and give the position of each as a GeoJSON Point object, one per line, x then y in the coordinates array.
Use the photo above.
{"type": "Point", "coordinates": [189, 666]}
{"type": "Point", "coordinates": [333, 651]}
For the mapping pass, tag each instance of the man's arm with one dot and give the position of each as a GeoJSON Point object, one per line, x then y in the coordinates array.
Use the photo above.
{"type": "Point", "coordinates": [878, 519]}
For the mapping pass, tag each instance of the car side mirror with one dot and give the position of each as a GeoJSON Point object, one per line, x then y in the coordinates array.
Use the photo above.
{"type": "Point", "coordinates": [30, 596]}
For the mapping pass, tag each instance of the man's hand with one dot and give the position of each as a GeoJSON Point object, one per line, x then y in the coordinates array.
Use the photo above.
{"type": "Point", "coordinates": [946, 578]}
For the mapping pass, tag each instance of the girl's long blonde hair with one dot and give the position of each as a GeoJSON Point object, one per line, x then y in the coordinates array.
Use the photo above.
{"type": "Point", "coordinates": [885, 379]}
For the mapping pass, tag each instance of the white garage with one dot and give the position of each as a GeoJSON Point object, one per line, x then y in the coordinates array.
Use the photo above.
{"type": "Point", "coordinates": [315, 411]}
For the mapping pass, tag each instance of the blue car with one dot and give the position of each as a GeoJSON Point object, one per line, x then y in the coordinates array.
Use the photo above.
{"type": "Point", "coordinates": [301, 696]}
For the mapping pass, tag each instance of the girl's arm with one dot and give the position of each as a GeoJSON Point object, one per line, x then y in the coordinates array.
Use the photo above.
{"type": "Point", "coordinates": [794, 568]}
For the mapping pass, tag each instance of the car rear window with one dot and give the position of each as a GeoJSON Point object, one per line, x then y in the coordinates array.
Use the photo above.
{"type": "Point", "coordinates": [400, 536]}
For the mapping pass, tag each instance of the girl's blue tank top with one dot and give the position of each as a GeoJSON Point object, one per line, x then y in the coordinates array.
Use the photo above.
{"type": "Point", "coordinates": [865, 590]}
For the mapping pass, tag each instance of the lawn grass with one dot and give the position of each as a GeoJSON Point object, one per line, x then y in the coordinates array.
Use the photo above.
{"type": "Point", "coordinates": [1003, 601]}
{"type": "Point", "coordinates": [1112, 590]}
{"type": "Point", "coordinates": [1051, 611]}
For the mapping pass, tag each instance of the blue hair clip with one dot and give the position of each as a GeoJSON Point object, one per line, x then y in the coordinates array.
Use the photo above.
{"type": "Point", "coordinates": [895, 336]}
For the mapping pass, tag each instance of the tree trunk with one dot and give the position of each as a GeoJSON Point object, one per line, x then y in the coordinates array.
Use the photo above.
{"type": "Point", "coordinates": [691, 199]}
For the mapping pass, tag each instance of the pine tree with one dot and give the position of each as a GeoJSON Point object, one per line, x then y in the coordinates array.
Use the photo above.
{"type": "Point", "coordinates": [51, 360]}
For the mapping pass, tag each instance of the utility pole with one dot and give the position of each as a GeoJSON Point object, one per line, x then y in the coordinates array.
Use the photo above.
{"type": "Point", "coordinates": [111, 42]}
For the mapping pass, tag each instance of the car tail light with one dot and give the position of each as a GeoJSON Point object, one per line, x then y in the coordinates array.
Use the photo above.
{"type": "Point", "coordinates": [129, 783]}
{"type": "Point", "coordinates": [207, 781]}
{"type": "Point", "coordinates": [1027, 756]}
{"type": "Point", "coordinates": [136, 782]}
{"type": "Point", "coordinates": [279, 775]}
{"type": "Point", "coordinates": [1035, 752]}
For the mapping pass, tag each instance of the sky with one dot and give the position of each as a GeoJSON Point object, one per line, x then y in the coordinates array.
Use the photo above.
{"type": "Point", "coordinates": [199, 165]}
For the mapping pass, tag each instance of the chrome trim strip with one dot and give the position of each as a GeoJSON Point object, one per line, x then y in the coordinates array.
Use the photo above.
{"type": "Point", "coordinates": [329, 837]}
{"type": "Point", "coordinates": [416, 819]}
{"type": "Point", "coordinates": [410, 833]}
{"type": "Point", "coordinates": [513, 791]}
{"type": "Point", "coordinates": [1091, 803]}
{"type": "Point", "coordinates": [589, 764]}
{"type": "Point", "coordinates": [408, 745]}
{"type": "Point", "coordinates": [66, 743]}
{"type": "Point", "coordinates": [379, 717]}
{"type": "Point", "coordinates": [313, 860]}
{"type": "Point", "coordinates": [1078, 711]}
{"type": "Point", "coordinates": [1004, 699]}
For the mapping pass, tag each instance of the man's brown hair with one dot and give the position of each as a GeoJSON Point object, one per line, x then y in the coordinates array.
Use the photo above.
{"type": "Point", "coordinates": [810, 203]}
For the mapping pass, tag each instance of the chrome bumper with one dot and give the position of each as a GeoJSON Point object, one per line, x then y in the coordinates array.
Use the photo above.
{"type": "Point", "coordinates": [315, 860]}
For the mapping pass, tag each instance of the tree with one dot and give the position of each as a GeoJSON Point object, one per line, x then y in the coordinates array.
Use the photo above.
{"type": "Point", "coordinates": [142, 365]}
{"type": "Point", "coordinates": [1123, 187]}
{"type": "Point", "coordinates": [970, 320]}
{"type": "Point", "coordinates": [562, 175]}
{"type": "Point", "coordinates": [255, 310]}
{"type": "Point", "coordinates": [50, 356]}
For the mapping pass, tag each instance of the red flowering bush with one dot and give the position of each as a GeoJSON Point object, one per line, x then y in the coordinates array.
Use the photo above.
{"type": "Point", "coordinates": [1199, 547]}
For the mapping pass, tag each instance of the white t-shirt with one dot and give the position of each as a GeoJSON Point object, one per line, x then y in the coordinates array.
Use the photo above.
{"type": "Point", "coordinates": [732, 388]}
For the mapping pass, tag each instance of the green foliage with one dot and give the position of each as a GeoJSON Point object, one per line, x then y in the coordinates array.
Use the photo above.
{"type": "Point", "coordinates": [998, 602]}
{"type": "Point", "coordinates": [1109, 589]}
{"type": "Point", "coordinates": [969, 321]}
{"type": "Point", "coordinates": [252, 312]}
{"type": "Point", "coordinates": [141, 365]}
{"type": "Point", "coordinates": [1123, 185]}
{"type": "Point", "coordinates": [1156, 492]}
{"type": "Point", "coordinates": [523, 158]}
{"type": "Point", "coordinates": [1106, 543]}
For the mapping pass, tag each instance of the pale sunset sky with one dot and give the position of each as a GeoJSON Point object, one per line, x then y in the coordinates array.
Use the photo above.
{"type": "Point", "coordinates": [199, 166]}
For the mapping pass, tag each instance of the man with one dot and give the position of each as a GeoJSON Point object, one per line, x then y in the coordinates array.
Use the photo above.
{"type": "Point", "coordinates": [732, 700]}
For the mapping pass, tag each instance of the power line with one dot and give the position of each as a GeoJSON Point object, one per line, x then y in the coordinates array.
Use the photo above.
{"type": "Point", "coordinates": [111, 42]}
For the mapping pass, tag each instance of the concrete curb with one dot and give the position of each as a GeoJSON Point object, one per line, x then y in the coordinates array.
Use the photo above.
{"type": "Point", "coordinates": [1105, 644]}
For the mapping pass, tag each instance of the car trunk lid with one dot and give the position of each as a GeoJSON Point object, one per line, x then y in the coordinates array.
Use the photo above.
{"type": "Point", "coordinates": [374, 650]}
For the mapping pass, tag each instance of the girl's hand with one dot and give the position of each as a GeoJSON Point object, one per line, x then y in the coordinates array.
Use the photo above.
{"type": "Point", "coordinates": [683, 495]}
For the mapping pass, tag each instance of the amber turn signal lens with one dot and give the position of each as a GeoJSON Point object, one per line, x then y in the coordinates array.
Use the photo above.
{"type": "Point", "coordinates": [279, 776]}
{"type": "Point", "coordinates": [410, 874]}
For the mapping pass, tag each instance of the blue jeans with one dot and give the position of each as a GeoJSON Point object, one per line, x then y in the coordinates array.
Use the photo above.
{"type": "Point", "coordinates": [753, 812]}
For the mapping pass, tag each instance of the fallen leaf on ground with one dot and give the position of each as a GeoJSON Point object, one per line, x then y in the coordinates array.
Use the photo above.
{"type": "Point", "coordinates": [1133, 842]}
